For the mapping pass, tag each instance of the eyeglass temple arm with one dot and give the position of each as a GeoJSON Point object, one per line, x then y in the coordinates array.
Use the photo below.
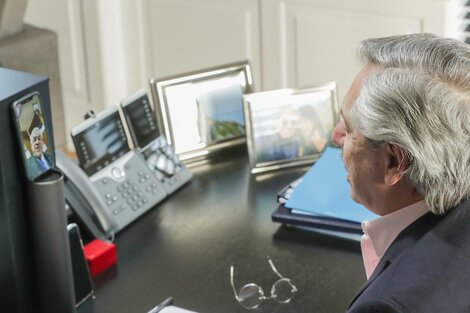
{"type": "Point", "coordinates": [233, 285]}
{"type": "Point", "coordinates": [274, 268]}
{"type": "Point", "coordinates": [279, 274]}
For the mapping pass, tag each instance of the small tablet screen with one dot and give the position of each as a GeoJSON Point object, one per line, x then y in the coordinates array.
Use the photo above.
{"type": "Point", "coordinates": [34, 137]}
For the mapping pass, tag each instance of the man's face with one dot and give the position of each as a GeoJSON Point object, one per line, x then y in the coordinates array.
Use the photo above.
{"type": "Point", "coordinates": [288, 123]}
{"type": "Point", "coordinates": [36, 143]}
{"type": "Point", "coordinates": [364, 163]}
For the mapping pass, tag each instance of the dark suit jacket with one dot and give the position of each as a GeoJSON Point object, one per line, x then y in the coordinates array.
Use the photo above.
{"type": "Point", "coordinates": [425, 270]}
{"type": "Point", "coordinates": [34, 167]}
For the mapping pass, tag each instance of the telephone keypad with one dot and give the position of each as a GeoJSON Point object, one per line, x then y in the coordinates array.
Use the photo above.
{"type": "Point", "coordinates": [135, 192]}
{"type": "Point", "coordinates": [131, 192]}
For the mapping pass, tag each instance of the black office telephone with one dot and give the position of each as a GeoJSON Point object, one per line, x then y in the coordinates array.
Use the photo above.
{"type": "Point", "coordinates": [113, 185]}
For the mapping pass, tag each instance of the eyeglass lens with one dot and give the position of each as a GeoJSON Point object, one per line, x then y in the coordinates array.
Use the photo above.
{"type": "Point", "coordinates": [251, 296]}
{"type": "Point", "coordinates": [282, 291]}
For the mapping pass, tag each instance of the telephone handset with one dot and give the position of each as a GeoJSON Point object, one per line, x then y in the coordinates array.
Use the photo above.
{"type": "Point", "coordinates": [84, 198]}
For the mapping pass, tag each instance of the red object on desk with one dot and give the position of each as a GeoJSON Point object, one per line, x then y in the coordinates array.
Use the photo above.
{"type": "Point", "coordinates": [100, 255]}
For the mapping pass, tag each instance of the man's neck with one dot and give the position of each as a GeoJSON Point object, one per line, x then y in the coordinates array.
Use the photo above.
{"type": "Point", "coordinates": [398, 198]}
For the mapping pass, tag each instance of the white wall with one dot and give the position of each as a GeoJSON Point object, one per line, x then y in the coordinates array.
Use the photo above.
{"type": "Point", "coordinates": [110, 48]}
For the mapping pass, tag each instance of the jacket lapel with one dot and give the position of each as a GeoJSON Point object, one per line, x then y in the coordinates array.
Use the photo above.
{"type": "Point", "coordinates": [383, 264]}
{"type": "Point", "coordinates": [406, 239]}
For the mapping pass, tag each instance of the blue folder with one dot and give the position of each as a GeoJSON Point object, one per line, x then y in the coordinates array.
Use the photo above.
{"type": "Point", "coordinates": [324, 191]}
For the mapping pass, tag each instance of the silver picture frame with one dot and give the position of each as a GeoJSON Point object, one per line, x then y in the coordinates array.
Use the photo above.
{"type": "Point", "coordinates": [202, 112]}
{"type": "Point", "coordinates": [289, 127]}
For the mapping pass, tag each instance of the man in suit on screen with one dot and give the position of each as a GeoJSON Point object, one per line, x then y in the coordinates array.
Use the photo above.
{"type": "Point", "coordinates": [405, 136]}
{"type": "Point", "coordinates": [39, 161]}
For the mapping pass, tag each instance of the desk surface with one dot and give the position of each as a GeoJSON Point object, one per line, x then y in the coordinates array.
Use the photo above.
{"type": "Point", "coordinates": [184, 248]}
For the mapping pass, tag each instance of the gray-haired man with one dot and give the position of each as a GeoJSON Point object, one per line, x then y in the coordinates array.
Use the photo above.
{"type": "Point", "coordinates": [405, 136]}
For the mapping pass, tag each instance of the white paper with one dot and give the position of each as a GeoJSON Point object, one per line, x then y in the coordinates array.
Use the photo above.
{"type": "Point", "coordinates": [175, 309]}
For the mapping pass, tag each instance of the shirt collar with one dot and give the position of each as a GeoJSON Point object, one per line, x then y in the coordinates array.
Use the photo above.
{"type": "Point", "coordinates": [383, 230]}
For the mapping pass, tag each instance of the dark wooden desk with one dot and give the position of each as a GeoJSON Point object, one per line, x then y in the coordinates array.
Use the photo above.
{"type": "Point", "coordinates": [184, 247]}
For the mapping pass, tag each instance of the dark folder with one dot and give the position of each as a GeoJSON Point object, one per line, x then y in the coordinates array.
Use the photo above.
{"type": "Point", "coordinates": [285, 216]}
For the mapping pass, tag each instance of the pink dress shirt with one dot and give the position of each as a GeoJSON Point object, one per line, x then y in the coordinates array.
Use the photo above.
{"type": "Point", "coordinates": [381, 232]}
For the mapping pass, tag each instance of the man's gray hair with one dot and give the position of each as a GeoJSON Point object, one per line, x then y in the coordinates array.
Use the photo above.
{"type": "Point", "coordinates": [418, 97]}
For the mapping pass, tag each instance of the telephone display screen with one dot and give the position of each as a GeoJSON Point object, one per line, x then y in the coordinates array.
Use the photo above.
{"type": "Point", "coordinates": [141, 121]}
{"type": "Point", "coordinates": [101, 143]}
{"type": "Point", "coordinates": [34, 137]}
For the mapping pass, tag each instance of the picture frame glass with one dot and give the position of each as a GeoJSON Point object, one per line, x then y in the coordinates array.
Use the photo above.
{"type": "Point", "coordinates": [290, 127]}
{"type": "Point", "coordinates": [203, 112]}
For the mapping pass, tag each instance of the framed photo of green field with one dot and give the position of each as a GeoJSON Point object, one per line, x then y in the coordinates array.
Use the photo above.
{"type": "Point", "coordinates": [202, 112]}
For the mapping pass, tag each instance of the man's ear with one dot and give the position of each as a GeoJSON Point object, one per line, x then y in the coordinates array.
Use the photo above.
{"type": "Point", "coordinates": [397, 164]}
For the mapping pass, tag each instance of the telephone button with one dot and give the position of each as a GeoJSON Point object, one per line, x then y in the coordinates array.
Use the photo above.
{"type": "Point", "coordinates": [160, 176]}
{"type": "Point", "coordinates": [117, 173]}
{"type": "Point", "coordinates": [118, 210]}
